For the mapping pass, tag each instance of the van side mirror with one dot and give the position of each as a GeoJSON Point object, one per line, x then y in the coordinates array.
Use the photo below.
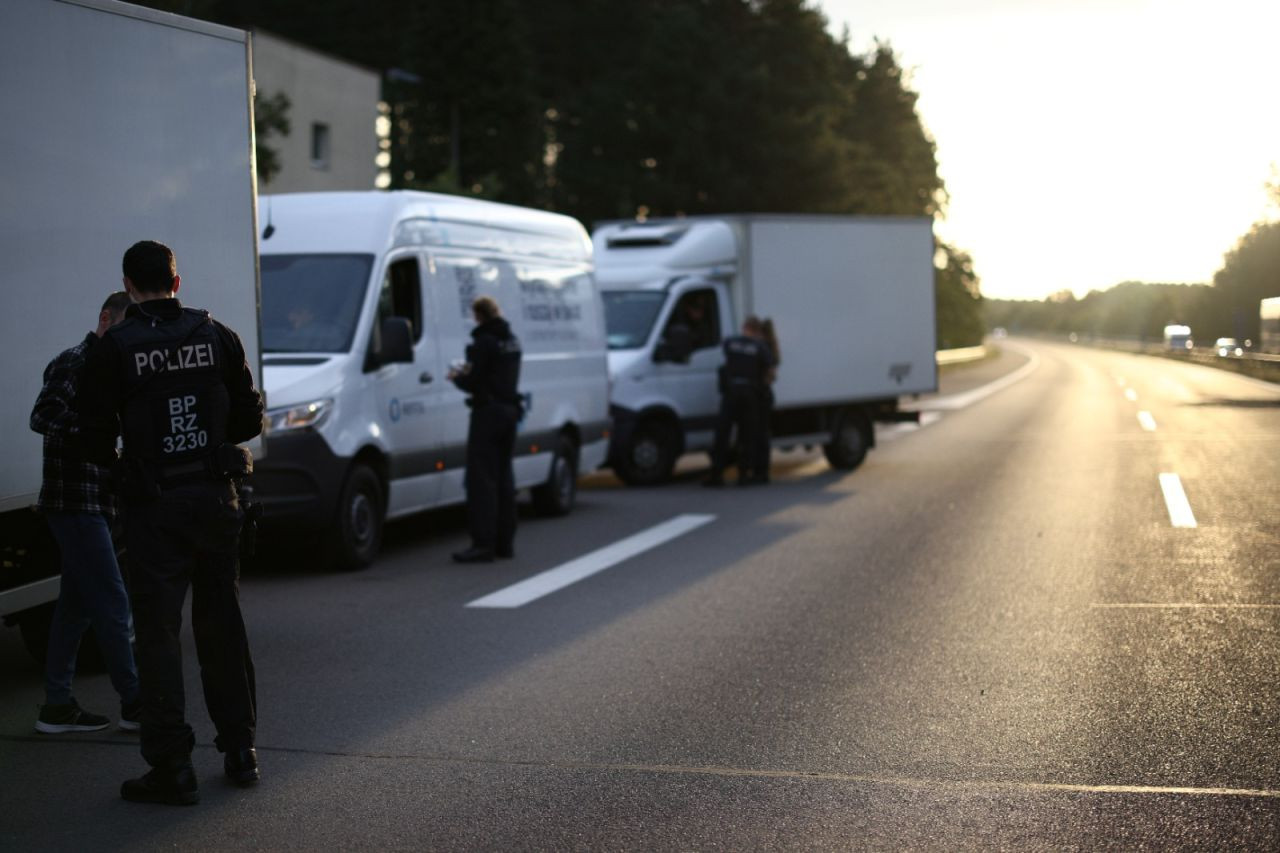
{"type": "Point", "coordinates": [392, 344]}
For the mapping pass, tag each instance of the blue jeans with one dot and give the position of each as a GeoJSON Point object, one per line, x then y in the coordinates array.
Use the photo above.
{"type": "Point", "coordinates": [92, 594]}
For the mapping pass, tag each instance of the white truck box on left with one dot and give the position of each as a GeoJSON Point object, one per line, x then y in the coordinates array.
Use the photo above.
{"type": "Point", "coordinates": [120, 124]}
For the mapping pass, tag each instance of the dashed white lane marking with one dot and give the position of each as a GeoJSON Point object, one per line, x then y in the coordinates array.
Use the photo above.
{"type": "Point", "coordinates": [1175, 498]}
{"type": "Point", "coordinates": [1148, 422]}
{"type": "Point", "coordinates": [1131, 395]}
{"type": "Point", "coordinates": [545, 583]}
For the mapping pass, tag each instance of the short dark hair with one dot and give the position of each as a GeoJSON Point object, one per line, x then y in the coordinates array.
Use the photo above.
{"type": "Point", "coordinates": [485, 308]}
{"type": "Point", "coordinates": [116, 303]}
{"type": "Point", "coordinates": [151, 266]}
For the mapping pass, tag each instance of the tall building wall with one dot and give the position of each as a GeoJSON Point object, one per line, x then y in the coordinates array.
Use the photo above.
{"type": "Point", "coordinates": [332, 109]}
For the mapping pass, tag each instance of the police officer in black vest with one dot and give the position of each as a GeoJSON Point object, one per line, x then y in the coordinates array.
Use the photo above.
{"type": "Point", "coordinates": [743, 383]}
{"type": "Point", "coordinates": [490, 375]}
{"type": "Point", "coordinates": [175, 383]}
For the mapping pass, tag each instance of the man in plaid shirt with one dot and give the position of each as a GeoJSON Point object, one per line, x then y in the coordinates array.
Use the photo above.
{"type": "Point", "coordinates": [77, 502]}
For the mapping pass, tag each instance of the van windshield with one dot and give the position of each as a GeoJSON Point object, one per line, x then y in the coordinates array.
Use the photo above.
{"type": "Point", "coordinates": [629, 315]}
{"type": "Point", "coordinates": [311, 303]}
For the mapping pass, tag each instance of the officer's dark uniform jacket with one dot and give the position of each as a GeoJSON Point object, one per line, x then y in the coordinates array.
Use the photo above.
{"type": "Point", "coordinates": [494, 355]}
{"type": "Point", "coordinates": [180, 384]}
{"type": "Point", "coordinates": [746, 363]}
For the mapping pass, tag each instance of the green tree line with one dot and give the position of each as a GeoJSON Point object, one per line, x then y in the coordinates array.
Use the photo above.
{"type": "Point", "coordinates": [649, 108]}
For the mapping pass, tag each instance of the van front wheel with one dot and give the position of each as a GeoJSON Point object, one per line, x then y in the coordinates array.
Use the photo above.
{"type": "Point", "coordinates": [557, 495]}
{"type": "Point", "coordinates": [358, 533]}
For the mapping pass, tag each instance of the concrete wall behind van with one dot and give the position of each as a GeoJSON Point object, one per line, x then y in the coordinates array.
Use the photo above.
{"type": "Point", "coordinates": [333, 105]}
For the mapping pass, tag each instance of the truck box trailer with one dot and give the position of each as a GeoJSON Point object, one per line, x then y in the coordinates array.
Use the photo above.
{"type": "Point", "coordinates": [852, 299]}
{"type": "Point", "coordinates": [122, 124]}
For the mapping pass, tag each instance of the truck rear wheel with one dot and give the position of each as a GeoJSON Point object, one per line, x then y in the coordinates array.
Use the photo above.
{"type": "Point", "coordinates": [850, 440]}
{"type": "Point", "coordinates": [357, 535]}
{"type": "Point", "coordinates": [557, 495]}
{"type": "Point", "coordinates": [649, 456]}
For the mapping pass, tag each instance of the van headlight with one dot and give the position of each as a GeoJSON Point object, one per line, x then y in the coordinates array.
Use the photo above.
{"type": "Point", "coordinates": [304, 416]}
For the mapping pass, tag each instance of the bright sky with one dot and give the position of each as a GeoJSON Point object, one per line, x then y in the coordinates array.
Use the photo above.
{"type": "Point", "coordinates": [1090, 142]}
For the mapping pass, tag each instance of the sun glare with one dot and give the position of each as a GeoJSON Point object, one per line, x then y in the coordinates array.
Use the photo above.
{"type": "Point", "coordinates": [1085, 144]}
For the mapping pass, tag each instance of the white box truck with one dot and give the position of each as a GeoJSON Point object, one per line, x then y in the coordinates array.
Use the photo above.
{"type": "Point", "coordinates": [121, 124]}
{"type": "Point", "coordinates": [852, 299]}
{"type": "Point", "coordinates": [366, 301]}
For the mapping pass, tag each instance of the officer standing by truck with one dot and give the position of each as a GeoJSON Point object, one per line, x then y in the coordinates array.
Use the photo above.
{"type": "Point", "coordinates": [491, 375]}
{"type": "Point", "coordinates": [743, 384]}
{"type": "Point", "coordinates": [175, 383]}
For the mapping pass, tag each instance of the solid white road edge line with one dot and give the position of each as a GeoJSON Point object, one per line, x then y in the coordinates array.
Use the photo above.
{"type": "Point", "coordinates": [1148, 422]}
{"type": "Point", "coordinates": [1175, 498]}
{"type": "Point", "coordinates": [968, 398]}
{"type": "Point", "coordinates": [545, 583]}
{"type": "Point", "coordinates": [1181, 605]}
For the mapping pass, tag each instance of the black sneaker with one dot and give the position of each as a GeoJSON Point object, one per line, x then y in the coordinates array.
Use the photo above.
{"type": "Point", "coordinates": [60, 719]}
{"type": "Point", "coordinates": [170, 786]}
{"type": "Point", "coordinates": [129, 716]}
{"type": "Point", "coordinates": [241, 767]}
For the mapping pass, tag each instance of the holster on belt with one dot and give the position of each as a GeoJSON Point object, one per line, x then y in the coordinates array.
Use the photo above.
{"type": "Point", "coordinates": [233, 461]}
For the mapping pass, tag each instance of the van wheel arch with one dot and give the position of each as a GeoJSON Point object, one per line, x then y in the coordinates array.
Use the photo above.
{"type": "Point", "coordinates": [558, 494]}
{"type": "Point", "coordinates": [361, 514]}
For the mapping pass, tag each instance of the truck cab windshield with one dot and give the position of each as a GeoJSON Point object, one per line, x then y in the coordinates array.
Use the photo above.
{"type": "Point", "coordinates": [311, 303]}
{"type": "Point", "coordinates": [629, 316]}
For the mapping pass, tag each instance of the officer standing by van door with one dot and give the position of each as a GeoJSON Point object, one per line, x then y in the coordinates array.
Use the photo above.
{"type": "Point", "coordinates": [744, 381]}
{"type": "Point", "coordinates": [490, 376]}
{"type": "Point", "coordinates": [175, 383]}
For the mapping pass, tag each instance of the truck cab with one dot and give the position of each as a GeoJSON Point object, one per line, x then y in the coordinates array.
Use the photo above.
{"type": "Point", "coordinates": [666, 315]}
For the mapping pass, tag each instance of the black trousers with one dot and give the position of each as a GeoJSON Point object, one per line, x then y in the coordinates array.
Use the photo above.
{"type": "Point", "coordinates": [740, 406]}
{"type": "Point", "coordinates": [490, 480]}
{"type": "Point", "coordinates": [189, 537]}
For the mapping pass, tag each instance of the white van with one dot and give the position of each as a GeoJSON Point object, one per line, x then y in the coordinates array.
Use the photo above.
{"type": "Point", "coordinates": [365, 302]}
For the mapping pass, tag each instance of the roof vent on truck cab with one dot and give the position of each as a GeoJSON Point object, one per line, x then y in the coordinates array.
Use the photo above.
{"type": "Point", "coordinates": [646, 236]}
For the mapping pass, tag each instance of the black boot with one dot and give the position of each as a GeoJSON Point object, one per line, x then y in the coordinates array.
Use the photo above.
{"type": "Point", "coordinates": [171, 786]}
{"type": "Point", "coordinates": [241, 767]}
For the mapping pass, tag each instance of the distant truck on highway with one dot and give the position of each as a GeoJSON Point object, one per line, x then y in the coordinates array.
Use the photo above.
{"type": "Point", "coordinates": [852, 299]}
{"type": "Point", "coordinates": [1269, 327]}
{"type": "Point", "coordinates": [1177, 338]}
{"type": "Point", "coordinates": [122, 124]}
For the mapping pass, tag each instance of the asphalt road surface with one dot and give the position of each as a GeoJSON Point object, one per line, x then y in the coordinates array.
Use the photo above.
{"type": "Point", "coordinates": [1048, 618]}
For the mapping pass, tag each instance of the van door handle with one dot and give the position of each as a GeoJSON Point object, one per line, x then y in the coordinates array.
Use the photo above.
{"type": "Point", "coordinates": [425, 377]}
